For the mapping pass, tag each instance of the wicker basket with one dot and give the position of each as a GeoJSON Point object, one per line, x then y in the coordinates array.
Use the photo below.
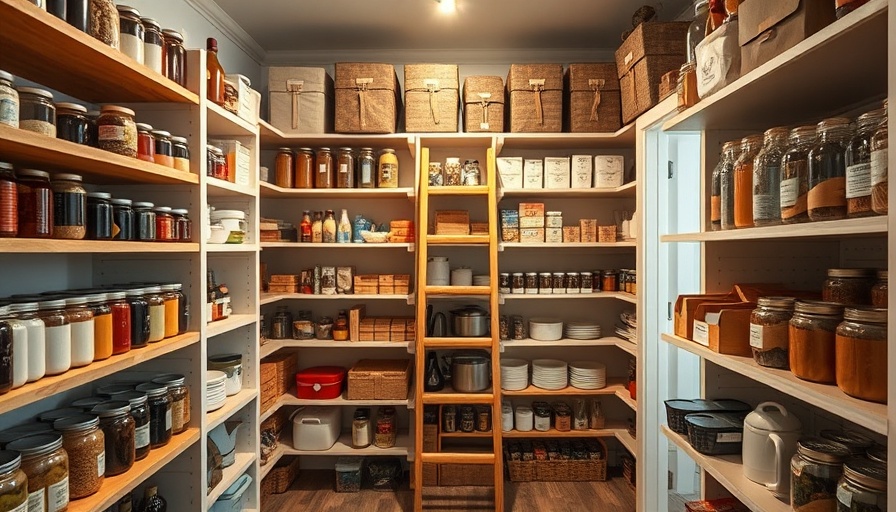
{"type": "Point", "coordinates": [535, 94]}
{"type": "Point", "coordinates": [677, 409]}
{"type": "Point", "coordinates": [483, 104]}
{"type": "Point", "coordinates": [379, 379]}
{"type": "Point", "coordinates": [592, 98]}
{"type": "Point", "coordinates": [713, 433]}
{"type": "Point", "coordinates": [431, 97]}
{"type": "Point", "coordinates": [652, 38]}
{"type": "Point", "coordinates": [521, 470]}
{"type": "Point", "coordinates": [282, 475]}
{"type": "Point", "coordinates": [640, 87]}
{"type": "Point", "coordinates": [368, 98]}
{"type": "Point", "coordinates": [466, 474]}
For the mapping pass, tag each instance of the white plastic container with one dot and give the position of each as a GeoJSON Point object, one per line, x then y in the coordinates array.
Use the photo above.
{"type": "Point", "coordinates": [234, 222]}
{"type": "Point", "coordinates": [316, 428]}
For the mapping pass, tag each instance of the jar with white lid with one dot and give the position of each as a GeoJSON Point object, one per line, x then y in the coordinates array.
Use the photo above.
{"type": "Point", "coordinates": [37, 113]}
{"type": "Point", "coordinates": [152, 44]}
{"type": "Point", "coordinates": [26, 313]}
{"type": "Point", "coordinates": [58, 336]}
{"type": "Point", "coordinates": [9, 101]}
{"type": "Point", "coordinates": [131, 32]}
{"type": "Point", "coordinates": [234, 222]}
{"type": "Point", "coordinates": [81, 319]}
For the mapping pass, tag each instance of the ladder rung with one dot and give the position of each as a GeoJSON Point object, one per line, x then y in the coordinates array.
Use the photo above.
{"type": "Point", "coordinates": [458, 458]}
{"type": "Point", "coordinates": [458, 398]}
{"type": "Point", "coordinates": [457, 342]}
{"type": "Point", "coordinates": [478, 190]}
{"type": "Point", "coordinates": [458, 239]}
{"type": "Point", "coordinates": [457, 290]}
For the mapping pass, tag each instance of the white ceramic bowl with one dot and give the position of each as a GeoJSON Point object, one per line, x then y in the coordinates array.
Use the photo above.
{"type": "Point", "coordinates": [545, 329]}
{"type": "Point", "coordinates": [218, 234]}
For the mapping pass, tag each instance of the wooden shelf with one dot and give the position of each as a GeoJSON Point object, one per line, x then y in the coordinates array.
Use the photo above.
{"type": "Point", "coordinates": [448, 397]}
{"type": "Point", "coordinates": [608, 341]}
{"type": "Point", "coordinates": [832, 229]}
{"type": "Point", "coordinates": [482, 240]}
{"type": "Point", "coordinates": [626, 297]}
{"type": "Point", "coordinates": [269, 298]}
{"type": "Point", "coordinates": [485, 458]}
{"type": "Point", "coordinates": [88, 69]}
{"type": "Point", "coordinates": [231, 248]}
{"type": "Point", "coordinates": [611, 430]}
{"type": "Point", "coordinates": [582, 245]}
{"type": "Point", "coordinates": [614, 386]}
{"type": "Point", "coordinates": [273, 138]}
{"type": "Point", "coordinates": [467, 435]}
{"type": "Point", "coordinates": [480, 190]}
{"type": "Point", "coordinates": [728, 471]}
{"type": "Point", "coordinates": [798, 85]}
{"type": "Point", "coordinates": [627, 190]}
{"type": "Point", "coordinates": [231, 405]}
{"type": "Point", "coordinates": [403, 446]}
{"type": "Point", "coordinates": [352, 246]}
{"type": "Point", "coordinates": [223, 188]}
{"type": "Point", "coordinates": [274, 192]}
{"type": "Point", "coordinates": [241, 464]}
{"type": "Point", "coordinates": [99, 167]}
{"type": "Point", "coordinates": [51, 245]}
{"type": "Point", "coordinates": [115, 487]}
{"type": "Point", "coordinates": [456, 141]}
{"type": "Point", "coordinates": [432, 291]}
{"type": "Point", "coordinates": [231, 323]}
{"type": "Point", "coordinates": [629, 442]}
{"type": "Point", "coordinates": [870, 415]}
{"type": "Point", "coordinates": [623, 138]}
{"type": "Point", "coordinates": [223, 123]}
{"type": "Point", "coordinates": [49, 386]}
{"type": "Point", "coordinates": [290, 399]}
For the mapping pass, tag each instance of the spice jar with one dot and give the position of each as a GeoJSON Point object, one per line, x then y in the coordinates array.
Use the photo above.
{"type": "Point", "coordinates": [827, 170]}
{"type": "Point", "coordinates": [102, 326]}
{"type": "Point", "coordinates": [323, 165]}
{"type": "Point", "coordinates": [743, 181]}
{"type": "Point", "coordinates": [504, 282]}
{"type": "Point", "coordinates": [164, 151]}
{"type": "Point", "coordinates": [340, 328]}
{"type": "Point", "coordinates": [586, 282]}
{"type": "Point", "coordinates": [562, 417]}
{"type": "Point", "coordinates": [35, 203]}
{"type": "Point", "coordinates": [92, 128]}
{"type": "Point", "coordinates": [131, 33]}
{"type": "Point", "coordinates": [815, 471]}
{"type": "Point", "coordinates": [156, 301]}
{"type": "Point", "coordinates": [879, 175]}
{"type": "Point", "coordinates": [85, 445]}
{"type": "Point", "coordinates": [117, 131]}
{"type": "Point", "coordinates": [80, 317]}
{"type": "Point", "coordinates": [13, 482]}
{"type": "Point", "coordinates": [146, 145]}
{"type": "Point", "coordinates": [795, 175]}
{"type": "Point", "coordinates": [303, 168]}
{"type": "Point", "coordinates": [45, 463]}
{"type": "Point", "coordinates": [69, 207]}
{"type": "Point", "coordinates": [9, 101]}
{"type": "Point", "coordinates": [387, 170]}
{"type": "Point", "coordinates": [164, 224]}
{"type": "Point", "coordinates": [175, 57]}
{"type": "Point", "coordinates": [769, 325]}
{"type": "Point", "coordinates": [152, 44]}
{"type": "Point", "coordinates": [180, 149]}
{"type": "Point", "coordinates": [280, 327]}
{"type": "Point", "coordinates": [71, 123]}
{"type": "Point", "coordinates": [449, 414]}
{"type": "Point", "coordinates": [144, 222]}
{"type": "Point", "coordinates": [880, 290]}
{"type": "Point", "coordinates": [104, 22]}
{"type": "Point", "coordinates": [767, 178]}
{"type": "Point", "coordinates": [361, 434]}
{"type": "Point", "coordinates": [858, 165]}
{"type": "Point", "coordinates": [139, 308]}
{"type": "Point", "coordinates": [812, 340]}
{"type": "Point", "coordinates": [518, 327]}
{"type": "Point", "coordinates": [221, 168]}
{"type": "Point", "coordinates": [283, 163]}
{"type": "Point", "coordinates": [517, 283]}
{"type": "Point", "coordinates": [572, 282]}
{"type": "Point", "coordinates": [687, 86]}
{"type": "Point", "coordinates": [36, 111]}
{"type": "Point", "coordinates": [848, 286]}
{"type": "Point", "coordinates": [123, 218]}
{"type": "Point", "coordinates": [453, 172]}
{"type": "Point", "coordinates": [9, 201]}
{"type": "Point", "coordinates": [171, 302]}
{"type": "Point", "coordinates": [542, 411]}
{"type": "Point", "coordinates": [558, 282]}
{"type": "Point", "coordinates": [530, 283]}
{"type": "Point", "coordinates": [863, 486]}
{"type": "Point", "coordinates": [386, 429]}
{"type": "Point", "coordinates": [140, 413]}
{"type": "Point", "coordinates": [58, 336]}
{"type": "Point", "coordinates": [99, 216]}
{"type": "Point", "coordinates": [160, 414]}
{"type": "Point", "coordinates": [862, 344]}
{"type": "Point", "coordinates": [121, 322]}
{"type": "Point", "coordinates": [119, 432]}
{"type": "Point", "coordinates": [367, 168]}
{"type": "Point", "coordinates": [467, 418]}
{"type": "Point", "coordinates": [323, 330]}
{"type": "Point", "coordinates": [27, 314]}
{"type": "Point", "coordinates": [179, 394]}
{"type": "Point", "coordinates": [345, 168]}
{"type": "Point", "coordinates": [483, 419]}
{"type": "Point", "coordinates": [183, 307]}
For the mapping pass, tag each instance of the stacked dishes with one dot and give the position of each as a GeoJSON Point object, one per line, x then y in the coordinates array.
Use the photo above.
{"type": "Point", "coordinates": [582, 331]}
{"type": "Point", "coordinates": [545, 329]}
{"type": "Point", "coordinates": [587, 375]}
{"type": "Point", "coordinates": [628, 329]}
{"type": "Point", "coordinates": [481, 280]}
{"type": "Point", "coordinates": [549, 374]}
{"type": "Point", "coordinates": [514, 374]}
{"type": "Point", "coordinates": [215, 389]}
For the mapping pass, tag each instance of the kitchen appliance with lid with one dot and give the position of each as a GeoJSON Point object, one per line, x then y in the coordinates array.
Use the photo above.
{"type": "Point", "coordinates": [470, 322]}
{"type": "Point", "coordinates": [470, 371]}
{"type": "Point", "coordinates": [770, 440]}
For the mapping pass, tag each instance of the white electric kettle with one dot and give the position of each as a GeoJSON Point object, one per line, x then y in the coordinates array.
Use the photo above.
{"type": "Point", "coordinates": [770, 437]}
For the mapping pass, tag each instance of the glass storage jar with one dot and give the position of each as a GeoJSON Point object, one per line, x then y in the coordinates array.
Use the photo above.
{"type": "Point", "coordinates": [387, 169]}
{"type": "Point", "coordinates": [857, 443]}
{"type": "Point", "coordinates": [879, 183]}
{"type": "Point", "coordinates": [879, 290]}
{"type": "Point", "coordinates": [9, 101]}
{"type": "Point", "coordinates": [7, 352]}
{"type": "Point", "coordinates": [164, 224]}
{"type": "Point", "coordinates": [92, 128]}
{"type": "Point", "coordinates": [139, 322]}
{"type": "Point", "coordinates": [284, 166]}
{"type": "Point", "coordinates": [812, 335]}
{"type": "Point", "coordinates": [156, 301]}
{"type": "Point", "coordinates": [183, 226]}
{"type": "Point", "coordinates": [180, 400]}
{"type": "Point", "coordinates": [37, 113]}
{"type": "Point", "coordinates": [720, 204]}
{"type": "Point", "coordinates": [102, 326]}
{"type": "Point", "coordinates": [795, 175]}
{"type": "Point", "coordinates": [13, 482]}
{"type": "Point", "coordinates": [159, 403]}
{"type": "Point", "coordinates": [123, 218]}
{"type": "Point", "coordinates": [863, 486]}
{"type": "Point", "coordinates": [140, 412]}
{"type": "Point", "coordinates": [99, 216]}
{"type": "Point", "coordinates": [858, 165]}
{"type": "Point", "coordinates": [471, 174]}
{"type": "Point", "coordinates": [14, 344]}
{"type": "Point", "coordinates": [164, 153]}
{"type": "Point", "coordinates": [146, 145]}
{"type": "Point", "coordinates": [9, 201]}
{"type": "Point", "coordinates": [767, 178]}
{"type": "Point", "coordinates": [118, 429]}
{"type": "Point", "coordinates": [848, 286]}
{"type": "Point", "coordinates": [80, 317]}
{"type": "Point", "coordinates": [121, 322]}
{"type": "Point", "coordinates": [769, 325]}
{"type": "Point", "coordinates": [361, 431]}
{"type": "Point", "coordinates": [172, 299]}
{"type": "Point", "coordinates": [131, 33]}
{"type": "Point", "coordinates": [175, 57]}
{"type": "Point", "coordinates": [181, 151]}
{"type": "Point", "coordinates": [345, 168]}
{"type": "Point", "coordinates": [104, 22]}
{"type": "Point", "coordinates": [815, 471]}
{"type": "Point", "coordinates": [27, 313]}
{"type": "Point", "coordinates": [45, 463]}
{"type": "Point", "coordinates": [144, 222]}
{"type": "Point", "coordinates": [827, 170]}
{"type": "Point", "coordinates": [71, 123]}
{"type": "Point", "coordinates": [861, 349]}
{"type": "Point", "coordinates": [304, 168]}
{"type": "Point", "coordinates": [323, 165]}
{"type": "Point", "coordinates": [58, 336]}
{"type": "Point", "coordinates": [152, 44]}
{"type": "Point", "coordinates": [219, 169]}
{"type": "Point", "coordinates": [35, 203]}
{"type": "Point", "coordinates": [117, 131]}
{"type": "Point", "coordinates": [743, 181]}
{"type": "Point", "coordinates": [69, 207]}
{"type": "Point", "coordinates": [367, 165]}
{"type": "Point", "coordinates": [85, 445]}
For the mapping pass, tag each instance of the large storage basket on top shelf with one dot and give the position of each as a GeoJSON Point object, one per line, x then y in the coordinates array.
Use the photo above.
{"type": "Point", "coordinates": [483, 104]}
{"type": "Point", "coordinates": [431, 97]}
{"type": "Point", "coordinates": [368, 98]}
{"type": "Point", "coordinates": [300, 100]}
{"type": "Point", "coordinates": [535, 93]}
{"type": "Point", "coordinates": [593, 103]}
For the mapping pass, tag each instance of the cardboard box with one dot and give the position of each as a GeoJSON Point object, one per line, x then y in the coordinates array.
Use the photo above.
{"type": "Point", "coordinates": [553, 235]}
{"type": "Point", "coordinates": [249, 106]}
{"type": "Point", "coordinates": [556, 172]}
{"type": "Point", "coordinates": [531, 215]}
{"type": "Point", "coordinates": [533, 173]}
{"type": "Point", "coordinates": [386, 280]}
{"type": "Point", "coordinates": [510, 235]}
{"type": "Point", "coordinates": [686, 307]}
{"type": "Point", "coordinates": [724, 328]}
{"type": "Point", "coordinates": [355, 316]}
{"type": "Point", "coordinates": [531, 235]}
{"type": "Point", "coordinates": [609, 171]}
{"type": "Point", "coordinates": [572, 234]}
{"type": "Point", "coordinates": [387, 289]}
{"type": "Point", "coordinates": [606, 234]}
{"type": "Point", "coordinates": [589, 230]}
{"type": "Point", "coordinates": [581, 171]}
{"type": "Point", "coordinates": [300, 100]}
{"type": "Point", "coordinates": [768, 28]}
{"type": "Point", "coordinates": [368, 98]}
{"type": "Point", "coordinates": [510, 169]}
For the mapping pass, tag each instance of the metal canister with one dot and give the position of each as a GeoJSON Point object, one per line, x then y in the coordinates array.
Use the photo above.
{"type": "Point", "coordinates": [586, 282]}
{"type": "Point", "coordinates": [545, 283]}
{"type": "Point", "coordinates": [572, 282]}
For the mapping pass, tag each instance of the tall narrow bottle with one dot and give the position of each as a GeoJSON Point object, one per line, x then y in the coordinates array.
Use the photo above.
{"type": "Point", "coordinates": [305, 235]}
{"type": "Point", "coordinates": [215, 73]}
{"type": "Point", "coordinates": [344, 230]}
{"type": "Point", "coordinates": [317, 228]}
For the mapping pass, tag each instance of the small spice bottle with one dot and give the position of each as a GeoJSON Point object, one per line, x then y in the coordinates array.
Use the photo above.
{"type": "Point", "coordinates": [152, 44]}
{"type": "Point", "coordinates": [449, 416]}
{"type": "Point", "coordinates": [827, 170]}
{"type": "Point", "coordinates": [139, 309]}
{"type": "Point", "coordinates": [879, 174]}
{"type": "Point", "coordinates": [863, 485]}
{"type": "Point", "coordinates": [323, 169]}
{"type": "Point", "coordinates": [36, 111]}
{"type": "Point", "coordinates": [345, 168]}
{"type": "Point", "coordinates": [562, 417]}
{"type": "Point", "coordinates": [467, 418]}
{"type": "Point", "coordinates": [13, 481]}
{"type": "Point", "coordinates": [131, 33]}
{"type": "Point", "coordinates": [175, 57]}
{"type": "Point", "coordinates": [102, 326]}
{"type": "Point", "coordinates": [85, 445]}
{"type": "Point", "coordinates": [815, 471]}
{"type": "Point", "coordinates": [743, 181]}
{"type": "Point", "coordinates": [35, 202]}
{"type": "Point", "coordinates": [45, 463]}
{"type": "Point", "coordinates": [118, 432]}
{"type": "Point", "coordinates": [387, 170]}
{"type": "Point", "coordinates": [58, 336]}
{"type": "Point", "coordinates": [586, 282]}
{"type": "Point", "coordinates": [140, 412]}
{"type": "Point", "coordinates": [767, 178]}
{"type": "Point", "coordinates": [160, 415]}
{"type": "Point", "coordinates": [483, 419]}
{"type": "Point", "coordinates": [795, 175]}
{"type": "Point", "coordinates": [82, 325]}
{"type": "Point", "coordinates": [862, 343]}
{"type": "Point", "coordinates": [858, 165]}
{"type": "Point", "coordinates": [812, 340]}
{"type": "Point", "coordinates": [144, 222]}
{"type": "Point", "coordinates": [880, 290]}
{"type": "Point", "coordinates": [542, 416]}
{"type": "Point", "coordinates": [181, 151]}
{"type": "Point", "coordinates": [769, 325]}
{"type": "Point", "coordinates": [9, 201]}
{"type": "Point", "coordinates": [284, 165]}
{"type": "Point", "coordinates": [146, 145]}
{"type": "Point", "coordinates": [340, 327]}
{"type": "Point", "coordinates": [367, 165]}
{"type": "Point", "coordinates": [71, 123]}
{"type": "Point", "coordinates": [504, 282]}
{"type": "Point", "coordinates": [164, 154]}
{"type": "Point", "coordinates": [848, 286]}
{"type": "Point", "coordinates": [123, 218]}
{"type": "Point", "coordinates": [164, 224]}
{"type": "Point", "coordinates": [99, 216]}
{"type": "Point", "coordinates": [117, 131]}
{"type": "Point", "coordinates": [724, 168]}
{"type": "Point", "coordinates": [180, 400]}
{"type": "Point", "coordinates": [9, 101]}
{"type": "Point", "coordinates": [121, 322]}
{"type": "Point", "coordinates": [69, 207]}
{"type": "Point", "coordinates": [172, 309]}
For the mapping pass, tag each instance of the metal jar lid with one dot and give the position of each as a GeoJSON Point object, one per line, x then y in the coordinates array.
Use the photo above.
{"type": "Point", "coordinates": [178, 140]}
{"type": "Point", "coordinates": [36, 92]}
{"type": "Point", "coordinates": [73, 107]}
{"type": "Point", "coordinates": [122, 202]}
{"type": "Point", "coordinates": [64, 176]}
{"type": "Point", "coordinates": [857, 442]}
{"type": "Point", "coordinates": [28, 429]}
{"type": "Point", "coordinates": [865, 315]}
{"type": "Point", "coordinates": [112, 409]}
{"type": "Point", "coordinates": [6, 76]}
{"type": "Point", "coordinates": [9, 460]}
{"type": "Point", "coordinates": [866, 473]}
{"type": "Point", "coordinates": [226, 359]}
{"type": "Point", "coordinates": [115, 109]}
{"type": "Point", "coordinates": [153, 389]}
{"type": "Point", "coordinates": [777, 303]}
{"type": "Point", "coordinates": [161, 133]}
{"type": "Point", "coordinates": [88, 403]}
{"type": "Point", "coordinates": [170, 379]}
{"type": "Point", "coordinates": [34, 173]}
{"type": "Point", "coordinates": [822, 450]}
{"type": "Point", "coordinates": [150, 23]}
{"type": "Point", "coordinates": [851, 272]}
{"type": "Point", "coordinates": [143, 127]}
{"type": "Point", "coordinates": [111, 390]}
{"type": "Point", "coordinates": [77, 423]}
{"type": "Point", "coordinates": [36, 446]}
{"type": "Point", "coordinates": [127, 9]}
{"type": "Point", "coordinates": [173, 34]}
{"type": "Point", "coordinates": [817, 307]}
{"type": "Point", "coordinates": [103, 196]}
{"type": "Point", "coordinates": [134, 398]}
{"type": "Point", "coordinates": [878, 453]}
{"type": "Point", "coordinates": [143, 205]}
{"type": "Point", "coordinates": [51, 304]}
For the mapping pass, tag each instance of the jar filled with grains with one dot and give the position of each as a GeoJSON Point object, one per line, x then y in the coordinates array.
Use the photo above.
{"type": "Point", "coordinates": [767, 178]}
{"type": "Point", "coordinates": [81, 319]}
{"type": "Point", "coordinates": [35, 204]}
{"type": "Point", "coordinates": [71, 123]}
{"type": "Point", "coordinates": [179, 394]}
{"type": "Point", "coordinates": [862, 343]}
{"type": "Point", "coordinates": [58, 336]}
{"type": "Point", "coordinates": [769, 324]}
{"type": "Point", "coordinates": [14, 342]}
{"type": "Point", "coordinates": [323, 169]}
{"type": "Point", "coordinates": [284, 165]}
{"type": "Point", "coordinates": [812, 334]}
{"type": "Point", "coordinates": [85, 445]}
{"type": "Point", "coordinates": [345, 168]}
{"type": "Point", "coordinates": [815, 471]}
{"type": "Point", "coordinates": [858, 165]}
{"type": "Point", "coordinates": [45, 463]}
{"type": "Point", "coordinates": [9, 101]}
{"type": "Point", "coordinates": [827, 170]}
{"type": "Point", "coordinates": [880, 290]}
{"type": "Point", "coordinates": [69, 207]}
{"type": "Point", "coordinates": [104, 22]}
{"type": "Point", "coordinates": [13, 482]}
{"type": "Point", "coordinates": [36, 111]}
{"type": "Point", "coordinates": [102, 326]}
{"type": "Point", "coordinates": [879, 181]}
{"type": "Point", "coordinates": [140, 412]}
{"type": "Point", "coordinates": [367, 164]}
{"type": "Point", "coordinates": [118, 432]}
{"type": "Point", "coordinates": [304, 168]}
{"type": "Point", "coordinates": [848, 286]}
{"type": "Point", "coordinates": [795, 175]}
{"type": "Point", "coordinates": [9, 201]}
{"type": "Point", "coordinates": [117, 131]}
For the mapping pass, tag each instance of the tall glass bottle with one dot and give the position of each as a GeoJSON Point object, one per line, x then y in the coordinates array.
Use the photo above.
{"type": "Point", "coordinates": [305, 235]}
{"type": "Point", "coordinates": [723, 207]}
{"type": "Point", "coordinates": [344, 230]}
{"type": "Point", "coordinates": [795, 175]}
{"type": "Point", "coordinates": [743, 181]}
{"type": "Point", "coordinates": [827, 170]}
{"type": "Point", "coordinates": [329, 228]}
{"type": "Point", "coordinates": [317, 228]}
{"type": "Point", "coordinates": [215, 73]}
{"type": "Point", "coordinates": [767, 178]}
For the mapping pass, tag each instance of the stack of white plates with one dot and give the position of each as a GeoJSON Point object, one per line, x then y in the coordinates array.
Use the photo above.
{"type": "Point", "coordinates": [582, 331]}
{"type": "Point", "coordinates": [215, 389]}
{"type": "Point", "coordinates": [481, 280]}
{"type": "Point", "coordinates": [587, 375]}
{"type": "Point", "coordinates": [514, 374]}
{"type": "Point", "coordinates": [549, 374]}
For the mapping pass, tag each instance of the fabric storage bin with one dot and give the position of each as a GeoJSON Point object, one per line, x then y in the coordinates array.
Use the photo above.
{"type": "Point", "coordinates": [316, 428]}
{"type": "Point", "coordinates": [715, 433]}
{"type": "Point", "coordinates": [768, 28]}
{"type": "Point", "coordinates": [231, 499]}
{"type": "Point", "coordinates": [300, 100]}
{"type": "Point", "coordinates": [431, 97]}
{"type": "Point", "coordinates": [593, 102]}
{"type": "Point", "coordinates": [535, 93]}
{"type": "Point", "coordinates": [650, 51]}
{"type": "Point", "coordinates": [718, 59]}
{"type": "Point", "coordinates": [677, 409]}
{"type": "Point", "coordinates": [348, 474]}
{"type": "Point", "coordinates": [320, 382]}
{"type": "Point", "coordinates": [379, 379]}
{"type": "Point", "coordinates": [483, 104]}
{"type": "Point", "coordinates": [368, 98]}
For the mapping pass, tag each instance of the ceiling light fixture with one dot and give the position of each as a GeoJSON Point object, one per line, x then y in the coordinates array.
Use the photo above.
{"type": "Point", "coordinates": [447, 6]}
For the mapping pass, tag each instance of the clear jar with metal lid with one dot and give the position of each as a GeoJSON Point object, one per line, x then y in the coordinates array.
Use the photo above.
{"type": "Point", "coordinates": [180, 400]}
{"type": "Point", "coordinates": [152, 44]}
{"type": "Point", "coordinates": [58, 336]}
{"type": "Point", "coordinates": [139, 317]}
{"type": "Point", "coordinates": [140, 412]}
{"type": "Point", "coordinates": [767, 178]}
{"type": "Point", "coordinates": [180, 149]}
{"type": "Point", "coordinates": [144, 222]}
{"type": "Point", "coordinates": [14, 343]}
{"type": "Point", "coordinates": [861, 348]}
{"type": "Point", "coordinates": [164, 224]}
{"type": "Point", "coordinates": [558, 282]}
{"type": "Point", "coordinates": [123, 218]}
{"type": "Point", "coordinates": [572, 282]}
{"type": "Point", "coordinates": [27, 314]}
{"type": "Point", "coordinates": [13, 482]}
{"type": "Point", "coordinates": [121, 322]}
{"type": "Point", "coordinates": [724, 168]}
{"type": "Point", "coordinates": [504, 282]}
{"type": "Point", "coordinates": [545, 283]}
{"type": "Point", "coordinates": [586, 282]}
{"type": "Point", "coordinates": [345, 168]}
{"type": "Point", "coordinates": [855, 441]}
{"type": "Point", "coordinates": [85, 445]}
{"type": "Point", "coordinates": [517, 283]}
{"type": "Point", "coordinates": [69, 207]}
{"type": "Point", "coordinates": [37, 113]}
{"type": "Point", "coordinates": [609, 281]}
{"type": "Point", "coordinates": [858, 165]}
{"type": "Point", "coordinates": [102, 326]}
{"type": "Point", "coordinates": [175, 57]}
{"type": "Point", "coordinates": [323, 169]}
{"type": "Point", "coordinates": [35, 204]}
{"type": "Point", "coordinates": [367, 164]}
{"type": "Point", "coordinates": [146, 144]}
{"type": "Point", "coordinates": [164, 153]}
{"type": "Point", "coordinates": [303, 168]}
{"type": "Point", "coordinates": [117, 131]}
{"type": "Point", "coordinates": [863, 486]}
{"type": "Point", "coordinates": [827, 170]}
{"type": "Point", "coordinates": [160, 419]}
{"type": "Point", "coordinates": [880, 290]}
{"type": "Point", "coordinates": [9, 101]}
{"type": "Point", "coordinates": [769, 326]}
{"type": "Point", "coordinates": [87, 404]}
{"type": "Point", "coordinates": [71, 123]}
{"type": "Point", "coordinates": [743, 181]}
{"type": "Point", "coordinates": [131, 33]}
{"type": "Point", "coordinates": [848, 286]}
{"type": "Point", "coordinates": [812, 335]}
{"type": "Point", "coordinates": [103, 23]}
{"type": "Point", "coordinates": [795, 175]}
{"type": "Point", "coordinates": [45, 463]}
{"type": "Point", "coordinates": [530, 285]}
{"type": "Point", "coordinates": [118, 432]}
{"type": "Point", "coordinates": [284, 166]}
{"type": "Point", "coordinates": [387, 169]}
{"type": "Point", "coordinates": [815, 471]}
{"type": "Point", "coordinates": [9, 201]}
{"type": "Point", "coordinates": [156, 301]}
{"type": "Point", "coordinates": [171, 296]}
{"type": "Point", "coordinates": [99, 216]}
{"type": "Point", "coordinates": [81, 319]}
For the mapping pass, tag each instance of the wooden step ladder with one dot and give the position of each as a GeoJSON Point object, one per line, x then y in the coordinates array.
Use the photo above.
{"type": "Point", "coordinates": [424, 344]}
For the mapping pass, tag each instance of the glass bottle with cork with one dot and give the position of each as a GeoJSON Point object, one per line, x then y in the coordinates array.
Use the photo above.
{"type": "Point", "coordinates": [215, 73]}
{"type": "Point", "coordinates": [344, 229]}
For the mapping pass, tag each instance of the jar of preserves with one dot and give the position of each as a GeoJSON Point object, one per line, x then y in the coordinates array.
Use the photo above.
{"type": "Point", "coordinates": [827, 170]}
{"type": "Point", "coordinates": [345, 168]}
{"type": "Point", "coordinates": [815, 471]}
{"type": "Point", "coordinates": [686, 86]}
{"type": "Point", "coordinates": [13, 482]}
{"type": "Point", "coordinates": [879, 290]}
{"type": "Point", "coordinates": [848, 286]}
{"type": "Point", "coordinates": [156, 301]}
{"type": "Point", "coordinates": [304, 168]}
{"type": "Point", "coordinates": [152, 44]}
{"type": "Point", "coordinates": [181, 151]}
{"type": "Point", "coordinates": [858, 165]}
{"type": "Point", "coordinates": [572, 282]}
{"type": "Point", "coordinates": [387, 170]}
{"type": "Point", "coordinates": [504, 282]}
{"type": "Point", "coordinates": [27, 314]}
{"type": "Point", "coordinates": [123, 218]}
{"type": "Point", "coordinates": [80, 317]}
{"type": "Point", "coordinates": [99, 216]}
{"type": "Point", "coordinates": [104, 22]}
{"type": "Point", "coordinates": [285, 171]}
{"type": "Point", "coordinates": [58, 336]}
{"type": "Point", "coordinates": [45, 463]}
{"type": "Point", "coordinates": [812, 333]}
{"type": "Point", "coordinates": [144, 222]}
{"type": "Point", "coordinates": [164, 224]}
{"type": "Point", "coordinates": [140, 319]}
{"type": "Point", "coordinates": [367, 165]}
{"type": "Point", "coordinates": [85, 445]}
{"type": "Point", "coordinates": [117, 131]}
{"type": "Point", "coordinates": [769, 324]}
{"type": "Point", "coordinates": [36, 111]}
{"type": "Point", "coordinates": [183, 226]}
{"type": "Point", "coordinates": [743, 181]}
{"type": "Point", "coordinates": [340, 327]}
{"type": "Point", "coordinates": [69, 207]}
{"type": "Point", "coordinates": [140, 412]}
{"type": "Point", "coordinates": [179, 394]}
{"type": "Point", "coordinates": [146, 145]}
{"type": "Point", "coordinates": [863, 485]}
{"type": "Point", "coordinates": [610, 281]}
{"type": "Point", "coordinates": [323, 165]}
{"type": "Point", "coordinates": [35, 203]}
{"type": "Point", "coordinates": [164, 153]}
{"type": "Point", "coordinates": [9, 201]}
{"type": "Point", "coordinates": [118, 429]}
{"type": "Point", "coordinates": [71, 123]}
{"type": "Point", "coordinates": [879, 175]}
{"type": "Point", "coordinates": [386, 429]}
{"type": "Point", "coordinates": [131, 33]}
{"type": "Point", "coordinates": [159, 403]}
{"type": "Point", "coordinates": [175, 57]}
{"type": "Point", "coordinates": [795, 175]}
{"type": "Point", "coordinates": [862, 343]}
{"type": "Point", "coordinates": [121, 322]}
{"type": "Point", "coordinates": [767, 178]}
{"type": "Point", "coordinates": [102, 326]}
{"type": "Point", "coordinates": [9, 101]}
{"type": "Point", "coordinates": [218, 168]}
{"type": "Point", "coordinates": [530, 283]}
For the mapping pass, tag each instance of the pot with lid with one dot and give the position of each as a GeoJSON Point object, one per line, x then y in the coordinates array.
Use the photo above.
{"type": "Point", "coordinates": [470, 322]}
{"type": "Point", "coordinates": [770, 441]}
{"type": "Point", "coordinates": [470, 371]}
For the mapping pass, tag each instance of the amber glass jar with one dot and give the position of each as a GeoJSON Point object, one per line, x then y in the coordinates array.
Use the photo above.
{"type": "Point", "coordinates": [848, 286]}
{"type": "Point", "coordinates": [858, 165]}
{"type": "Point", "coordinates": [879, 290]}
{"type": "Point", "coordinates": [827, 170]}
{"type": "Point", "coordinates": [345, 168]}
{"type": "Point", "coordinates": [102, 326]}
{"type": "Point", "coordinates": [743, 181]}
{"type": "Point", "coordinates": [720, 203]}
{"type": "Point", "coordinates": [172, 304]}
{"type": "Point", "coordinates": [35, 202]}
{"type": "Point", "coordinates": [85, 445]}
{"type": "Point", "coordinates": [9, 202]}
{"type": "Point", "coordinates": [862, 344]}
{"type": "Point", "coordinates": [304, 168]}
{"type": "Point", "coordinates": [767, 178]}
{"type": "Point", "coordinates": [284, 164]}
{"type": "Point", "coordinates": [323, 169]}
{"type": "Point", "coordinates": [175, 57]}
{"type": "Point", "coordinates": [812, 335]}
{"type": "Point", "coordinates": [769, 324]}
{"type": "Point", "coordinates": [795, 175]}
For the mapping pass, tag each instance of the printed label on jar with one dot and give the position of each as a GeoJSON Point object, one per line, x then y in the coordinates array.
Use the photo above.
{"type": "Point", "coordinates": [878, 167]}
{"type": "Point", "coordinates": [36, 500]}
{"type": "Point", "coordinates": [844, 497]}
{"type": "Point", "coordinates": [716, 208]}
{"type": "Point", "coordinates": [21, 508]}
{"type": "Point", "coordinates": [141, 436]}
{"type": "Point", "coordinates": [729, 437]}
{"type": "Point", "coordinates": [765, 206]}
{"type": "Point", "coordinates": [9, 112]}
{"type": "Point", "coordinates": [101, 463]}
{"type": "Point", "coordinates": [343, 168]}
{"type": "Point", "coordinates": [858, 181]}
{"type": "Point", "coordinates": [168, 419]}
{"type": "Point", "coordinates": [322, 169]}
{"type": "Point", "coordinates": [387, 171]}
{"type": "Point", "coordinates": [790, 192]}
{"type": "Point", "coordinates": [111, 132]}
{"type": "Point", "coordinates": [756, 336]}
{"type": "Point", "coordinates": [57, 496]}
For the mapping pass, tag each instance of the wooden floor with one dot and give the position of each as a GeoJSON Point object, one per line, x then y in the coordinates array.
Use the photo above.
{"type": "Point", "coordinates": [313, 490]}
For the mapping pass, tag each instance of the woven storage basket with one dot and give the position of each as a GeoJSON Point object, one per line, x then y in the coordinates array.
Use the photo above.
{"type": "Point", "coordinates": [379, 379]}
{"type": "Point", "coordinates": [592, 98]}
{"type": "Point", "coordinates": [640, 87]}
{"type": "Point", "coordinates": [283, 367]}
{"type": "Point", "coordinates": [368, 98]}
{"type": "Point", "coordinates": [431, 97]}
{"type": "Point", "coordinates": [282, 475]}
{"type": "Point", "coordinates": [483, 104]}
{"type": "Point", "coordinates": [521, 470]}
{"type": "Point", "coordinates": [573, 470]}
{"type": "Point", "coordinates": [300, 100]}
{"type": "Point", "coordinates": [535, 94]}
{"type": "Point", "coordinates": [466, 474]}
